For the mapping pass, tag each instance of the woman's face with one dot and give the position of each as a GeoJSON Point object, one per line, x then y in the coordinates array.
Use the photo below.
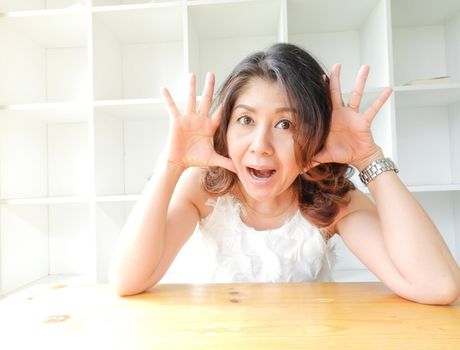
{"type": "Point", "coordinates": [260, 139]}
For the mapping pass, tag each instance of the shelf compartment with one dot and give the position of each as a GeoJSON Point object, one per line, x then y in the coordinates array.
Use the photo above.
{"type": "Point", "coordinates": [30, 5]}
{"type": "Point", "coordinates": [43, 59]}
{"type": "Point", "coordinates": [428, 145]}
{"type": "Point", "coordinates": [435, 188]}
{"type": "Point", "coordinates": [137, 51]}
{"type": "Point", "coordinates": [60, 112]}
{"type": "Point", "coordinates": [352, 33]}
{"type": "Point", "coordinates": [41, 158]}
{"type": "Point", "coordinates": [128, 142]}
{"type": "Point", "coordinates": [46, 200]}
{"type": "Point", "coordinates": [115, 199]}
{"type": "Point", "coordinates": [443, 208]}
{"type": "Point", "coordinates": [426, 42]}
{"type": "Point", "coordinates": [58, 242]}
{"type": "Point", "coordinates": [47, 282]}
{"type": "Point", "coordinates": [220, 35]}
{"type": "Point", "coordinates": [110, 219]}
{"type": "Point", "coordinates": [129, 2]}
{"type": "Point", "coordinates": [353, 275]}
{"type": "Point", "coordinates": [427, 95]}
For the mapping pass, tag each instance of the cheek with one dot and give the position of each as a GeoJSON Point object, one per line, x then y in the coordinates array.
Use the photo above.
{"type": "Point", "coordinates": [286, 147]}
{"type": "Point", "coordinates": [286, 151]}
{"type": "Point", "coordinates": [232, 143]}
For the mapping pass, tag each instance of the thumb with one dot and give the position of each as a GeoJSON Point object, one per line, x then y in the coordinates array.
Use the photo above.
{"type": "Point", "coordinates": [312, 165]}
{"type": "Point", "coordinates": [321, 157]}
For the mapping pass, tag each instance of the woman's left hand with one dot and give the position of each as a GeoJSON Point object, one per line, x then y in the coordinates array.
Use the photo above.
{"type": "Point", "coordinates": [350, 138]}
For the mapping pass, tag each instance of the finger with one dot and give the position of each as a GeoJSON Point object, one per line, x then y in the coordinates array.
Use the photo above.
{"type": "Point", "coordinates": [223, 162]}
{"type": "Point", "coordinates": [357, 93]}
{"type": "Point", "coordinates": [173, 111]}
{"type": "Point", "coordinates": [191, 100]}
{"type": "Point", "coordinates": [208, 92]}
{"type": "Point", "coordinates": [334, 87]}
{"type": "Point", "coordinates": [373, 109]}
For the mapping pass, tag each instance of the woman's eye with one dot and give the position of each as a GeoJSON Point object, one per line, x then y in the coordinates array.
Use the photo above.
{"type": "Point", "coordinates": [245, 120]}
{"type": "Point", "coordinates": [284, 124]}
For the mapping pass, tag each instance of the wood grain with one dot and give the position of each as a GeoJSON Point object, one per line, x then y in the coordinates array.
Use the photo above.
{"type": "Point", "coordinates": [227, 316]}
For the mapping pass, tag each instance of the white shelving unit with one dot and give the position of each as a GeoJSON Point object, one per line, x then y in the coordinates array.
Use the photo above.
{"type": "Point", "coordinates": [82, 123]}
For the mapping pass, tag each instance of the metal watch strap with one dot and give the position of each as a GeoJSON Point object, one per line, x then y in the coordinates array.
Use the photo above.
{"type": "Point", "coordinates": [375, 168]}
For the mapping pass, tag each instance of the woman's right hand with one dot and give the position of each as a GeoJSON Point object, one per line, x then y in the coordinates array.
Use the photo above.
{"type": "Point", "coordinates": [190, 141]}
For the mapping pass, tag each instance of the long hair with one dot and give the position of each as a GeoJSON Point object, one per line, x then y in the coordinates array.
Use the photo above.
{"type": "Point", "coordinates": [322, 191]}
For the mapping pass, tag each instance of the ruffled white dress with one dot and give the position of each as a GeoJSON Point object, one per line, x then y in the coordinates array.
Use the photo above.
{"type": "Point", "coordinates": [294, 252]}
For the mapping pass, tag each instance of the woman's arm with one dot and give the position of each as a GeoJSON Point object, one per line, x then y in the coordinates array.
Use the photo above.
{"type": "Point", "coordinates": [149, 229]}
{"type": "Point", "coordinates": [165, 216]}
{"type": "Point", "coordinates": [395, 238]}
{"type": "Point", "coordinates": [399, 243]}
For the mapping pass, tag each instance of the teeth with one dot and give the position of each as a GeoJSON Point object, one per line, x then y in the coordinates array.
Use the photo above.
{"type": "Point", "coordinates": [261, 173]}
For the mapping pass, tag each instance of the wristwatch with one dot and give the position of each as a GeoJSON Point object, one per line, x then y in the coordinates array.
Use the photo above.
{"type": "Point", "coordinates": [376, 168]}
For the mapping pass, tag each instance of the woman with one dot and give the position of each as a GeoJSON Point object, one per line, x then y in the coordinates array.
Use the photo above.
{"type": "Point", "coordinates": [266, 178]}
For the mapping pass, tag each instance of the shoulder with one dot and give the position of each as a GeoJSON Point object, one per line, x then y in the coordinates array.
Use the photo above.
{"type": "Point", "coordinates": [358, 202]}
{"type": "Point", "coordinates": [190, 188]}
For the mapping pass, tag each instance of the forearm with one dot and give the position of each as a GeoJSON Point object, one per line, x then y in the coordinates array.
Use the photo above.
{"type": "Point", "coordinates": [141, 243]}
{"type": "Point", "coordinates": [412, 240]}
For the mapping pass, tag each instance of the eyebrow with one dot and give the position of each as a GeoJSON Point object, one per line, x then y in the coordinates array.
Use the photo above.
{"type": "Point", "coordinates": [282, 109]}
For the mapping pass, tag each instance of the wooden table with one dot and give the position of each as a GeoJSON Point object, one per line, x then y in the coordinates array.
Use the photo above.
{"type": "Point", "coordinates": [236, 316]}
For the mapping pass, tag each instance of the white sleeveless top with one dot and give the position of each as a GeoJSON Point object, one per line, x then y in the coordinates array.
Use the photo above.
{"type": "Point", "coordinates": [294, 252]}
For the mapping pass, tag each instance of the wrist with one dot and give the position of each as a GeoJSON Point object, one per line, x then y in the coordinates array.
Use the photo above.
{"type": "Point", "coordinates": [170, 160]}
{"type": "Point", "coordinates": [362, 163]}
{"type": "Point", "coordinates": [176, 165]}
{"type": "Point", "coordinates": [173, 167]}
{"type": "Point", "coordinates": [376, 168]}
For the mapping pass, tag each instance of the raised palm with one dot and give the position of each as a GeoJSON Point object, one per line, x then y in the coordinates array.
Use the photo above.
{"type": "Point", "coordinates": [190, 141]}
{"type": "Point", "coordinates": [350, 139]}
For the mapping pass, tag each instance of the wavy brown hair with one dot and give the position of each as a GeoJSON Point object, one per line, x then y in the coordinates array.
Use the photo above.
{"type": "Point", "coordinates": [322, 191]}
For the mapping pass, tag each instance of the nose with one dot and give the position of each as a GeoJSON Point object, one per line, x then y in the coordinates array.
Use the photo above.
{"type": "Point", "coordinates": [261, 143]}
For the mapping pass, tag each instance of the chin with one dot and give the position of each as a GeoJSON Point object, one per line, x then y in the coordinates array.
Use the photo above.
{"type": "Point", "coordinates": [258, 194]}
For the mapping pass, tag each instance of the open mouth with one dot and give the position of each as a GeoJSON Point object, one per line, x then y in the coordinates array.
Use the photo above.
{"type": "Point", "coordinates": [261, 174]}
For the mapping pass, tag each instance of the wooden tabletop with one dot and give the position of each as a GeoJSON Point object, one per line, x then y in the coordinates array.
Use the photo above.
{"type": "Point", "coordinates": [226, 316]}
